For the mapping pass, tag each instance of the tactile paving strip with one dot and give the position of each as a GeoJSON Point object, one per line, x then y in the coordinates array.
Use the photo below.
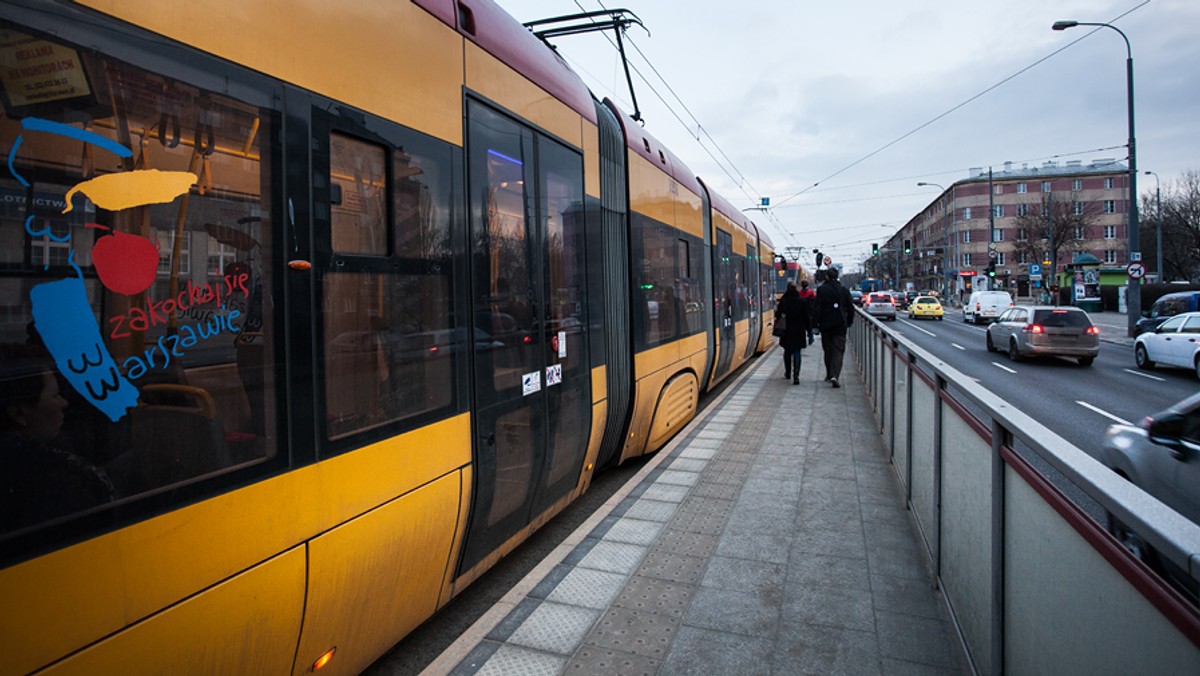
{"type": "Point", "coordinates": [510, 660]}
{"type": "Point", "coordinates": [588, 588]}
{"type": "Point", "coordinates": [555, 628]}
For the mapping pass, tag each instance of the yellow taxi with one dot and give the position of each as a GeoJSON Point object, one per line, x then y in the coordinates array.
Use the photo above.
{"type": "Point", "coordinates": [925, 306]}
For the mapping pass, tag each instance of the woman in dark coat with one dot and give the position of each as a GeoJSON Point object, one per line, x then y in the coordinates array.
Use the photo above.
{"type": "Point", "coordinates": [797, 313]}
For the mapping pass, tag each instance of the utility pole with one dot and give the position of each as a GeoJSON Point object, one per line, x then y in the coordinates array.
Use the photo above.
{"type": "Point", "coordinates": [1053, 251]}
{"type": "Point", "coordinates": [993, 258]}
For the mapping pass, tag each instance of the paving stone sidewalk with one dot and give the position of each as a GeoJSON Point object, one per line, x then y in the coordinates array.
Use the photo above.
{"type": "Point", "coordinates": [771, 538]}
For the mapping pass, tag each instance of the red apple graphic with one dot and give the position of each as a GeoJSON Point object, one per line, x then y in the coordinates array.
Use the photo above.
{"type": "Point", "coordinates": [127, 264]}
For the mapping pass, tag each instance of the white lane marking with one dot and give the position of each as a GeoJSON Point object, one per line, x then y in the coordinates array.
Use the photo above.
{"type": "Point", "coordinates": [931, 334]}
{"type": "Point", "coordinates": [958, 346]}
{"type": "Point", "coordinates": [1104, 413]}
{"type": "Point", "coordinates": [1003, 367]}
{"type": "Point", "coordinates": [1145, 375]}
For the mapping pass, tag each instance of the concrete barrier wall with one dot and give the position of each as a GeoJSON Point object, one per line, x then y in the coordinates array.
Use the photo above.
{"type": "Point", "coordinates": [1033, 584]}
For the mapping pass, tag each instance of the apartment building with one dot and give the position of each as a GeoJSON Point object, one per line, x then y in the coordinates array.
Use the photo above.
{"type": "Point", "coordinates": [950, 237]}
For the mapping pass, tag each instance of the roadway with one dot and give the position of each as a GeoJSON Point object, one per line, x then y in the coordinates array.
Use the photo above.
{"type": "Point", "coordinates": [1076, 402]}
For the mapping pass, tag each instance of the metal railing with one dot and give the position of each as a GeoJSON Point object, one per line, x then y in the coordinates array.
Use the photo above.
{"type": "Point", "coordinates": [1032, 582]}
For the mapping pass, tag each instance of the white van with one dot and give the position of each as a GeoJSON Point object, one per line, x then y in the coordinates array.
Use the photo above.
{"type": "Point", "coordinates": [986, 306]}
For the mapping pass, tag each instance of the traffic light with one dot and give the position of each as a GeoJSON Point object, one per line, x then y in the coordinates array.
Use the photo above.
{"type": "Point", "coordinates": [991, 270]}
{"type": "Point", "coordinates": [907, 247]}
{"type": "Point", "coordinates": [874, 249]}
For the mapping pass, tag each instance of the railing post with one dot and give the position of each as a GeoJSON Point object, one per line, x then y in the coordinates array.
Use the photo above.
{"type": "Point", "coordinates": [939, 383]}
{"type": "Point", "coordinates": [998, 572]}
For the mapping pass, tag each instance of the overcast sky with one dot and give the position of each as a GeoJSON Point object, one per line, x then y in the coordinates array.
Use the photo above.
{"type": "Point", "coordinates": [866, 98]}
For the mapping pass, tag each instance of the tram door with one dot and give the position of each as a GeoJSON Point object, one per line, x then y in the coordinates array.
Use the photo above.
{"type": "Point", "coordinates": [726, 293]}
{"type": "Point", "coordinates": [532, 396]}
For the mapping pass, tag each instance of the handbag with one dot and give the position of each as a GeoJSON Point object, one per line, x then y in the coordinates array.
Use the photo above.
{"type": "Point", "coordinates": [780, 326]}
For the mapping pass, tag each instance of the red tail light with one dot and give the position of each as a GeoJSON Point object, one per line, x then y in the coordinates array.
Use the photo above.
{"type": "Point", "coordinates": [1093, 330]}
{"type": "Point", "coordinates": [1033, 328]}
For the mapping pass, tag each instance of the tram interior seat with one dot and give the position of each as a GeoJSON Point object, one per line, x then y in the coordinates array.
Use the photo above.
{"type": "Point", "coordinates": [175, 435]}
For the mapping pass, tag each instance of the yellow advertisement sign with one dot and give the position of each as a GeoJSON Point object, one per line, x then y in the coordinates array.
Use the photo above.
{"type": "Point", "coordinates": [36, 71]}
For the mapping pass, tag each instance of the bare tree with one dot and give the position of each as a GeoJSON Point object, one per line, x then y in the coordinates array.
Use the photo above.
{"type": "Point", "coordinates": [1180, 227]}
{"type": "Point", "coordinates": [1054, 231]}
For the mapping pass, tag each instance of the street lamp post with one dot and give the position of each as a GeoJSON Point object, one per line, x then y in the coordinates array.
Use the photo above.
{"type": "Point", "coordinates": [1158, 227]}
{"type": "Point", "coordinates": [1134, 299]}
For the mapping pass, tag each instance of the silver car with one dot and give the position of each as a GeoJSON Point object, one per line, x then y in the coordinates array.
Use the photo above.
{"type": "Point", "coordinates": [880, 305]}
{"type": "Point", "coordinates": [1161, 455]}
{"type": "Point", "coordinates": [1044, 330]}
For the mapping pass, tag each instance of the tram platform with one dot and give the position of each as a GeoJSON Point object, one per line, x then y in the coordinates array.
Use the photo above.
{"type": "Point", "coordinates": [769, 537]}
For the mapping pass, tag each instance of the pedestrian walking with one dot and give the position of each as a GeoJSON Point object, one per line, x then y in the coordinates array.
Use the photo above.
{"type": "Point", "coordinates": [796, 313]}
{"type": "Point", "coordinates": [835, 314]}
{"type": "Point", "coordinates": [809, 296]}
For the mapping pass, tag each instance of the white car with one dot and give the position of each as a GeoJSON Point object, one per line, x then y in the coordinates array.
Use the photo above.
{"type": "Point", "coordinates": [1175, 342]}
{"type": "Point", "coordinates": [986, 306]}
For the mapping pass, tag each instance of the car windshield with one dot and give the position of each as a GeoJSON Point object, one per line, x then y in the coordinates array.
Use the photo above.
{"type": "Point", "coordinates": [926, 299]}
{"type": "Point", "coordinates": [1061, 318]}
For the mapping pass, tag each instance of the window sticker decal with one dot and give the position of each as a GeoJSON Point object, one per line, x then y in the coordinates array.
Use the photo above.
{"type": "Point", "coordinates": [125, 264]}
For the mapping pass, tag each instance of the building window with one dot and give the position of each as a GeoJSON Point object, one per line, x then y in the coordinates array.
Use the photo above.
{"type": "Point", "coordinates": [45, 252]}
{"type": "Point", "coordinates": [1077, 185]}
{"type": "Point", "coordinates": [999, 189]}
{"type": "Point", "coordinates": [1045, 186]}
{"type": "Point", "coordinates": [1022, 188]}
{"type": "Point", "coordinates": [1077, 208]}
{"type": "Point", "coordinates": [1022, 234]}
{"type": "Point", "coordinates": [966, 260]}
{"type": "Point", "coordinates": [966, 236]}
{"type": "Point", "coordinates": [966, 213]}
{"type": "Point", "coordinates": [1000, 258]}
{"type": "Point", "coordinates": [166, 247]}
{"type": "Point", "coordinates": [998, 211]}
{"type": "Point", "coordinates": [1110, 206]}
{"type": "Point", "coordinates": [1110, 232]}
{"type": "Point", "coordinates": [1078, 232]}
{"type": "Point", "coordinates": [1110, 256]}
{"type": "Point", "coordinates": [1045, 210]}
{"type": "Point", "coordinates": [998, 235]}
{"type": "Point", "coordinates": [1022, 210]}
{"type": "Point", "coordinates": [1108, 184]}
{"type": "Point", "coordinates": [1022, 257]}
{"type": "Point", "coordinates": [220, 256]}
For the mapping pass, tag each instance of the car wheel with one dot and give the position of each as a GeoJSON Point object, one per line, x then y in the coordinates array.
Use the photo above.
{"type": "Point", "coordinates": [988, 341]}
{"type": "Point", "coordinates": [1086, 361]}
{"type": "Point", "coordinates": [1142, 359]}
{"type": "Point", "coordinates": [1013, 353]}
{"type": "Point", "coordinates": [1137, 546]}
{"type": "Point", "coordinates": [939, 318]}
{"type": "Point", "coordinates": [1131, 540]}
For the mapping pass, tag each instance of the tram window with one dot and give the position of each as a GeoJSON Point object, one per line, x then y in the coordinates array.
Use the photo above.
{"type": "Point", "coordinates": [655, 248]}
{"type": "Point", "coordinates": [390, 343]}
{"type": "Point", "coordinates": [562, 208]}
{"type": "Point", "coordinates": [358, 213]}
{"type": "Point", "coordinates": [691, 288]}
{"type": "Point", "coordinates": [125, 368]}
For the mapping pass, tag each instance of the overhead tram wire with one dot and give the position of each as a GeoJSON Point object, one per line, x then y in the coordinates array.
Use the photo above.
{"type": "Point", "coordinates": [893, 142]}
{"type": "Point", "coordinates": [956, 172]}
{"type": "Point", "coordinates": [726, 164]}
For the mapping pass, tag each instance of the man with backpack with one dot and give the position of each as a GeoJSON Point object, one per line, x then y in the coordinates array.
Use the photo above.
{"type": "Point", "coordinates": [835, 314]}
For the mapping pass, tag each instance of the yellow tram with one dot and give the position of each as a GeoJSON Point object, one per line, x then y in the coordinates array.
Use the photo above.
{"type": "Point", "coordinates": [312, 314]}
